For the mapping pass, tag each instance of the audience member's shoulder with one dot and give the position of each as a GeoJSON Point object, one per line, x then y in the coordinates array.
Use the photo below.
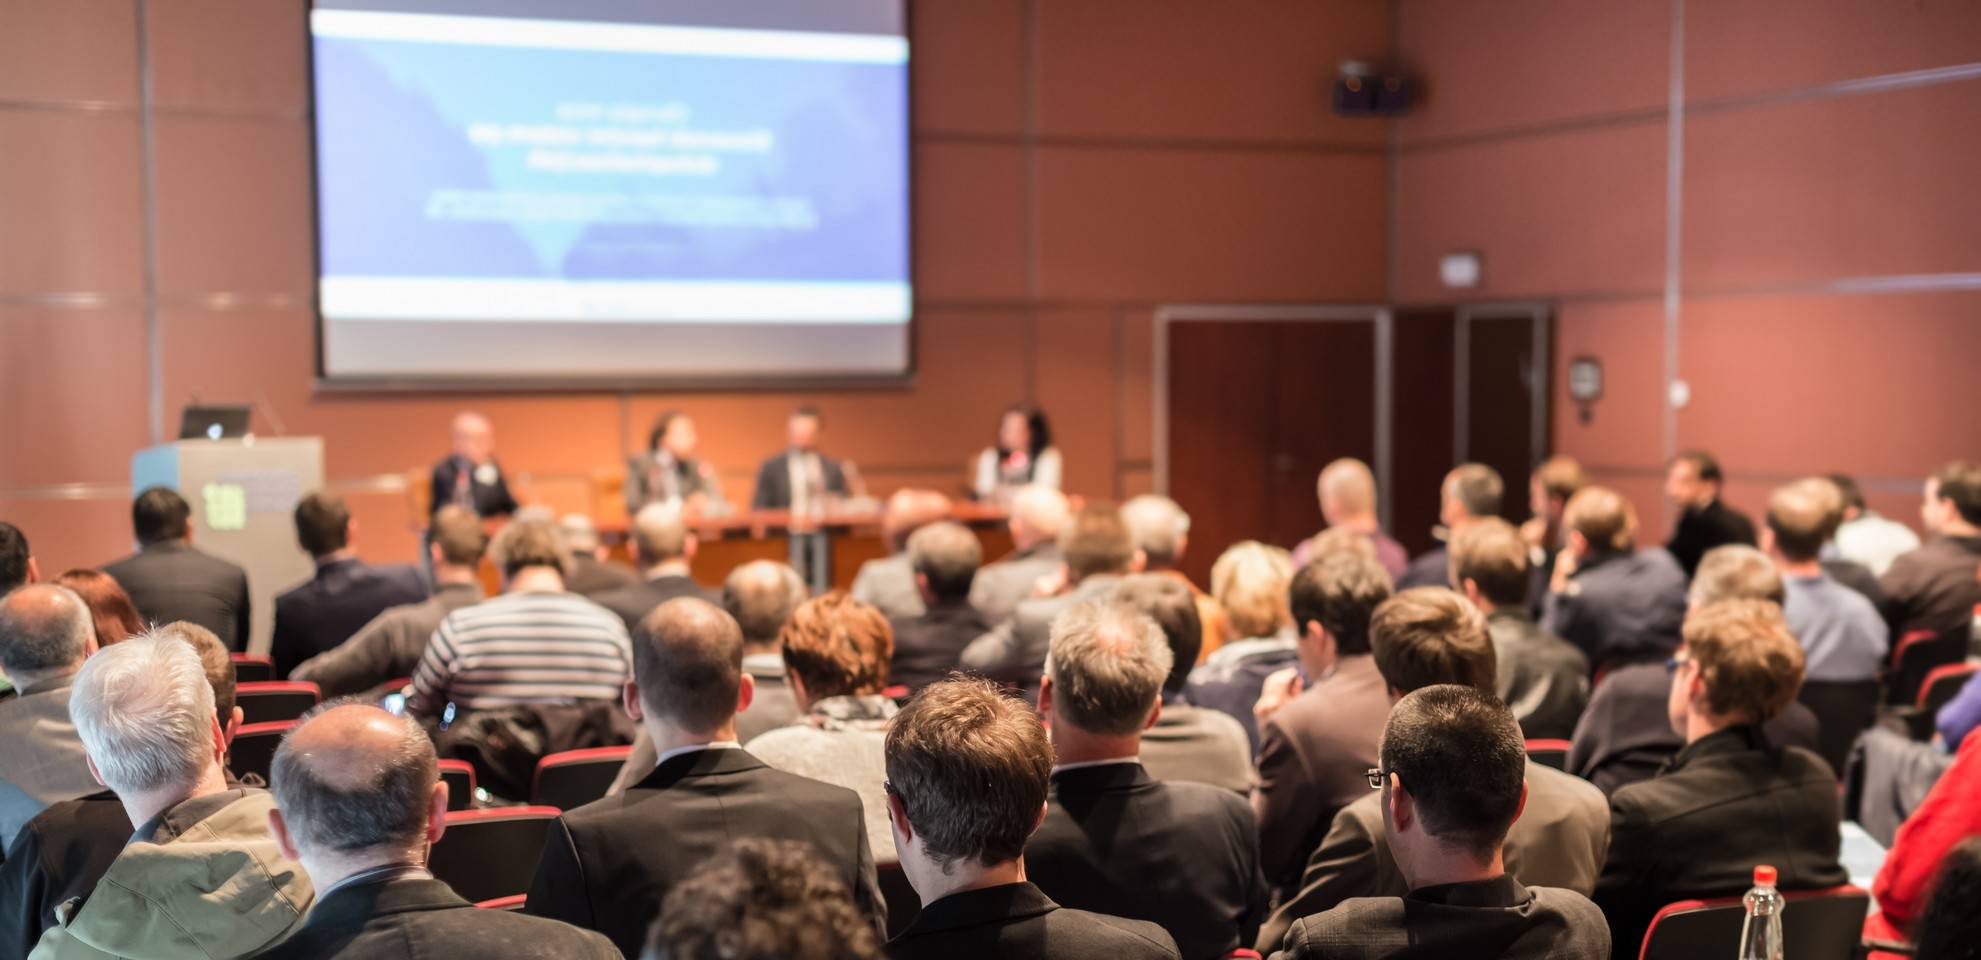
{"type": "Point", "coordinates": [1563, 784]}
{"type": "Point", "coordinates": [520, 928]}
{"type": "Point", "coordinates": [1106, 936]}
{"type": "Point", "coordinates": [1586, 930]}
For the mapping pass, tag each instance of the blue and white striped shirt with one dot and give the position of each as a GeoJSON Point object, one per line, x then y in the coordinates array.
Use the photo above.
{"type": "Point", "coordinates": [522, 648]}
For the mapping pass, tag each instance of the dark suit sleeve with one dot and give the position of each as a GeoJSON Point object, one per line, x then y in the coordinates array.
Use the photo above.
{"type": "Point", "coordinates": [280, 646]}
{"type": "Point", "coordinates": [1620, 889]}
{"type": "Point", "coordinates": [1343, 866]}
{"type": "Point", "coordinates": [866, 892]}
{"type": "Point", "coordinates": [243, 613]}
{"type": "Point", "coordinates": [1283, 801]}
{"type": "Point", "coordinates": [23, 897]}
{"type": "Point", "coordinates": [1258, 893]}
{"type": "Point", "coordinates": [502, 503]}
{"type": "Point", "coordinates": [439, 482]}
{"type": "Point", "coordinates": [559, 891]}
{"type": "Point", "coordinates": [761, 499]}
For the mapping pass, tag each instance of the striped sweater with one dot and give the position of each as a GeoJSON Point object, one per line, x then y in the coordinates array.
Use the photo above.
{"type": "Point", "coordinates": [522, 648]}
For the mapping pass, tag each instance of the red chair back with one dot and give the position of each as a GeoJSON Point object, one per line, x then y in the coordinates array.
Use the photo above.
{"type": "Point", "coordinates": [253, 749]}
{"type": "Point", "coordinates": [459, 776]}
{"type": "Point", "coordinates": [486, 854]}
{"type": "Point", "coordinates": [275, 700]}
{"type": "Point", "coordinates": [1816, 925]}
{"type": "Point", "coordinates": [1916, 655]}
{"type": "Point", "coordinates": [1943, 683]}
{"type": "Point", "coordinates": [1549, 753]}
{"type": "Point", "coordinates": [505, 903]}
{"type": "Point", "coordinates": [573, 778]}
{"type": "Point", "coordinates": [252, 668]}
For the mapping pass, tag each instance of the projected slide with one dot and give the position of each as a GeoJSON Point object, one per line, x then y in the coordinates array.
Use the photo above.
{"type": "Point", "coordinates": [611, 189]}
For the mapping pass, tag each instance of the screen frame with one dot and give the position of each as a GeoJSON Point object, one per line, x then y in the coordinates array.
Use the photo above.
{"type": "Point", "coordinates": [324, 382]}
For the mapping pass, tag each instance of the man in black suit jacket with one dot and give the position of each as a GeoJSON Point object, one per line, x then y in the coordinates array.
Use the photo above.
{"type": "Point", "coordinates": [169, 580]}
{"type": "Point", "coordinates": [345, 594]}
{"type": "Point", "coordinates": [607, 865]}
{"type": "Point", "coordinates": [662, 545]}
{"type": "Point", "coordinates": [945, 557]}
{"type": "Point", "coordinates": [967, 771]}
{"type": "Point", "coordinates": [800, 477]}
{"type": "Point", "coordinates": [1694, 481]}
{"type": "Point", "coordinates": [1730, 800]}
{"type": "Point", "coordinates": [357, 803]}
{"type": "Point", "coordinates": [1453, 780]}
{"type": "Point", "coordinates": [1115, 841]}
{"type": "Point", "coordinates": [470, 477]}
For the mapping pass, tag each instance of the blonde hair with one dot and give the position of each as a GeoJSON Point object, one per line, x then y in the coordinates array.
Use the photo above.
{"type": "Point", "coordinates": [1250, 580]}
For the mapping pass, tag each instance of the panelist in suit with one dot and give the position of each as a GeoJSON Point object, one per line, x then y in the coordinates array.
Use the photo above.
{"type": "Point", "coordinates": [1454, 778]}
{"type": "Point", "coordinates": [800, 479]}
{"type": "Point", "coordinates": [670, 472]}
{"type": "Point", "coordinates": [1098, 554]}
{"type": "Point", "coordinates": [358, 804]}
{"type": "Point", "coordinates": [1184, 856]}
{"type": "Point", "coordinates": [169, 579]}
{"type": "Point", "coordinates": [343, 596]}
{"type": "Point", "coordinates": [1022, 457]}
{"type": "Point", "coordinates": [662, 545]}
{"type": "Point", "coordinates": [607, 865]}
{"type": "Point", "coordinates": [470, 477]}
{"type": "Point", "coordinates": [962, 846]}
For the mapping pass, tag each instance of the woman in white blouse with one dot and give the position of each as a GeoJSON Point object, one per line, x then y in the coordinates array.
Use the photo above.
{"type": "Point", "coordinates": [1023, 456]}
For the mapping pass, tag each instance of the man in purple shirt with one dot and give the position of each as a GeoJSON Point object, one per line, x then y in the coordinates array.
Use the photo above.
{"type": "Point", "coordinates": [1347, 490]}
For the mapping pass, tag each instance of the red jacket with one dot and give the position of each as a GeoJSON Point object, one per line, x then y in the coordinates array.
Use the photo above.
{"type": "Point", "coordinates": [1950, 813]}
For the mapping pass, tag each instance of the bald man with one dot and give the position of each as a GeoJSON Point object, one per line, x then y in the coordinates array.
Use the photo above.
{"type": "Point", "coordinates": [1347, 491]}
{"type": "Point", "coordinates": [662, 546]}
{"type": "Point", "coordinates": [607, 865]}
{"type": "Point", "coordinates": [358, 803]}
{"type": "Point", "coordinates": [469, 476]}
{"type": "Point", "coordinates": [889, 582]}
{"type": "Point", "coordinates": [45, 634]}
{"type": "Point", "coordinates": [1038, 515]}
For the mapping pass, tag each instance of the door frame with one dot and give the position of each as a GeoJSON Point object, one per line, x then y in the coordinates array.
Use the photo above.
{"type": "Point", "coordinates": [1541, 314]}
{"type": "Point", "coordinates": [1377, 315]}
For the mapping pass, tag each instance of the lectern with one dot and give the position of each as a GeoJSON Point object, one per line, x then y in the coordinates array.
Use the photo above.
{"type": "Point", "coordinates": [243, 494]}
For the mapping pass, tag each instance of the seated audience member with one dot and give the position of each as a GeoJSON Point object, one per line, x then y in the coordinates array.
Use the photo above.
{"type": "Point", "coordinates": [662, 546]}
{"type": "Point", "coordinates": [110, 611]}
{"type": "Point", "coordinates": [1114, 839]}
{"type": "Point", "coordinates": [1950, 926]}
{"type": "Point", "coordinates": [1249, 581]}
{"type": "Point", "coordinates": [1347, 490]}
{"type": "Point", "coordinates": [201, 877]}
{"type": "Point", "coordinates": [17, 566]}
{"type": "Point", "coordinates": [1188, 742]}
{"type": "Point", "coordinates": [1038, 516]}
{"type": "Point", "coordinates": [1452, 786]}
{"type": "Point", "coordinates": [1316, 739]}
{"type": "Point", "coordinates": [671, 472]}
{"type": "Point", "coordinates": [1950, 813]}
{"type": "Point", "coordinates": [1615, 602]}
{"type": "Point", "coordinates": [1098, 554]}
{"type": "Point", "coordinates": [800, 478]}
{"type": "Point", "coordinates": [358, 803]}
{"type": "Point", "coordinates": [1556, 480]}
{"type": "Point", "coordinates": [589, 573]}
{"type": "Point", "coordinates": [343, 596]}
{"type": "Point", "coordinates": [1470, 493]}
{"type": "Point", "coordinates": [1961, 714]}
{"type": "Point", "coordinates": [1023, 457]}
{"type": "Point", "coordinates": [169, 579]}
{"type": "Point", "coordinates": [535, 644]}
{"type": "Point", "coordinates": [1730, 799]}
{"type": "Point", "coordinates": [835, 654]}
{"type": "Point", "coordinates": [62, 853]}
{"type": "Point", "coordinates": [1851, 574]}
{"type": "Point", "coordinates": [1161, 530]}
{"type": "Point", "coordinates": [968, 770]}
{"type": "Point", "coordinates": [607, 865]}
{"type": "Point", "coordinates": [761, 596]}
{"type": "Point", "coordinates": [1693, 482]}
{"type": "Point", "coordinates": [1865, 536]}
{"type": "Point", "coordinates": [1423, 638]}
{"type": "Point", "coordinates": [1542, 678]}
{"type": "Point", "coordinates": [944, 556]}
{"type": "Point", "coordinates": [45, 635]}
{"type": "Point", "coordinates": [390, 646]}
{"type": "Point", "coordinates": [1935, 587]}
{"type": "Point", "coordinates": [761, 900]}
{"type": "Point", "coordinates": [470, 478]}
{"type": "Point", "coordinates": [1843, 637]}
{"type": "Point", "coordinates": [1624, 735]}
{"type": "Point", "coordinates": [889, 582]}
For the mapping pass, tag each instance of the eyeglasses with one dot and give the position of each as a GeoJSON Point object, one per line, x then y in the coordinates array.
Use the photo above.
{"type": "Point", "coordinates": [1376, 776]}
{"type": "Point", "coordinates": [1677, 660]}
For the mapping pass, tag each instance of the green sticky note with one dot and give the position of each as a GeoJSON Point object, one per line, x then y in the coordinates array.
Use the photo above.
{"type": "Point", "coordinates": [226, 506]}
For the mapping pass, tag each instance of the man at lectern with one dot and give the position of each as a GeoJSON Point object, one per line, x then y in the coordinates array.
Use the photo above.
{"type": "Point", "coordinates": [470, 477]}
{"type": "Point", "coordinates": [670, 472]}
{"type": "Point", "coordinates": [800, 478]}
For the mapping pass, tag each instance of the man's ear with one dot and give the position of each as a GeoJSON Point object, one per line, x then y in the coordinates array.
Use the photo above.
{"type": "Point", "coordinates": [279, 829]}
{"type": "Point", "coordinates": [93, 773]}
{"type": "Point", "coordinates": [220, 739]}
{"type": "Point", "coordinates": [1138, 562]}
{"type": "Point", "coordinates": [233, 726]}
{"type": "Point", "coordinates": [1578, 543]}
{"type": "Point", "coordinates": [629, 695]}
{"type": "Point", "coordinates": [436, 812]}
{"type": "Point", "coordinates": [897, 814]}
{"type": "Point", "coordinates": [1522, 808]}
{"type": "Point", "coordinates": [746, 693]}
{"type": "Point", "coordinates": [1471, 589]}
{"type": "Point", "coordinates": [433, 553]}
{"type": "Point", "coordinates": [1402, 811]}
{"type": "Point", "coordinates": [1767, 539]}
{"type": "Point", "coordinates": [689, 546]}
{"type": "Point", "coordinates": [1045, 700]}
{"type": "Point", "coordinates": [1155, 713]}
{"type": "Point", "coordinates": [34, 571]}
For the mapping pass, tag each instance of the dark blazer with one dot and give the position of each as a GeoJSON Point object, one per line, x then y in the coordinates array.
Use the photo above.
{"type": "Point", "coordinates": [1014, 651]}
{"type": "Point", "coordinates": [1619, 606]}
{"type": "Point", "coordinates": [414, 916]}
{"type": "Point", "coordinates": [174, 580]}
{"type": "Point", "coordinates": [1933, 587]}
{"type": "Point", "coordinates": [1497, 918]}
{"type": "Point", "coordinates": [1625, 735]}
{"type": "Point", "coordinates": [1701, 529]}
{"type": "Point", "coordinates": [928, 647]}
{"type": "Point", "coordinates": [59, 855]}
{"type": "Point", "coordinates": [1431, 569]}
{"type": "Point", "coordinates": [1313, 755]}
{"type": "Point", "coordinates": [1018, 920]}
{"type": "Point", "coordinates": [1728, 801]}
{"type": "Point", "coordinates": [607, 865]}
{"type": "Point", "coordinates": [589, 577]}
{"type": "Point", "coordinates": [774, 481]}
{"type": "Point", "coordinates": [633, 602]}
{"type": "Point", "coordinates": [489, 499]}
{"type": "Point", "coordinates": [1184, 856]}
{"type": "Point", "coordinates": [326, 610]}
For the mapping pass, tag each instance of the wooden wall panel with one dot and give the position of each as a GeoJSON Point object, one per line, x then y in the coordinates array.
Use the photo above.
{"type": "Point", "coordinates": [76, 410]}
{"type": "Point", "coordinates": [1739, 48]}
{"type": "Point", "coordinates": [72, 51]}
{"type": "Point", "coordinates": [70, 208]}
{"type": "Point", "coordinates": [230, 55]}
{"type": "Point", "coordinates": [233, 207]}
{"type": "Point", "coordinates": [1077, 388]}
{"type": "Point", "coordinates": [66, 534]}
{"type": "Point", "coordinates": [970, 222]}
{"type": "Point", "coordinates": [968, 66]}
{"type": "Point", "coordinates": [1626, 428]}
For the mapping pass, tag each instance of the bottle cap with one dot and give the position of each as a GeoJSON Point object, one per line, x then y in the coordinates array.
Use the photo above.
{"type": "Point", "coordinates": [1764, 876]}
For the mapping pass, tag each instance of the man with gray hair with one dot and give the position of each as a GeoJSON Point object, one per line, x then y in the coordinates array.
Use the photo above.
{"type": "Point", "coordinates": [45, 633]}
{"type": "Point", "coordinates": [1038, 515]}
{"type": "Point", "coordinates": [1103, 687]}
{"type": "Point", "coordinates": [1471, 492]}
{"type": "Point", "coordinates": [662, 546]}
{"type": "Point", "coordinates": [1161, 530]}
{"type": "Point", "coordinates": [589, 573]}
{"type": "Point", "coordinates": [201, 876]}
{"type": "Point", "coordinates": [888, 582]}
{"type": "Point", "coordinates": [946, 557]}
{"type": "Point", "coordinates": [358, 804]}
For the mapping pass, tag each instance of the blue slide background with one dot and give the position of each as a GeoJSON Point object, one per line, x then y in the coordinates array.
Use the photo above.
{"type": "Point", "coordinates": [392, 127]}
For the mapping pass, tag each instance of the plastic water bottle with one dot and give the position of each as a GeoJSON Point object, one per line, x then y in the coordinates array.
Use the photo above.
{"type": "Point", "coordinates": [1761, 935]}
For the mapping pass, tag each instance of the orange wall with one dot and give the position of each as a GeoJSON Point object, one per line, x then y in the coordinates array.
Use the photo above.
{"type": "Point", "coordinates": [1542, 140]}
{"type": "Point", "coordinates": [1078, 163]}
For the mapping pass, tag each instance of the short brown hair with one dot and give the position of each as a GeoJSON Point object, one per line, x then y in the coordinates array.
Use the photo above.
{"type": "Point", "coordinates": [1803, 516]}
{"type": "Point", "coordinates": [1340, 591]}
{"type": "Point", "coordinates": [458, 533]}
{"type": "Point", "coordinates": [1096, 542]}
{"type": "Point", "coordinates": [1560, 477]}
{"type": "Point", "coordinates": [838, 646]}
{"type": "Point", "coordinates": [1736, 571]}
{"type": "Point", "coordinates": [970, 766]}
{"type": "Point", "coordinates": [323, 523]}
{"type": "Point", "coordinates": [1491, 554]}
{"type": "Point", "coordinates": [688, 663]}
{"type": "Point", "coordinates": [529, 543]}
{"type": "Point", "coordinates": [1430, 635]}
{"type": "Point", "coordinates": [214, 660]}
{"type": "Point", "coordinates": [1751, 664]}
{"type": "Point", "coordinates": [1107, 664]}
{"type": "Point", "coordinates": [1477, 487]}
{"type": "Point", "coordinates": [1960, 482]}
{"type": "Point", "coordinates": [1603, 517]}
